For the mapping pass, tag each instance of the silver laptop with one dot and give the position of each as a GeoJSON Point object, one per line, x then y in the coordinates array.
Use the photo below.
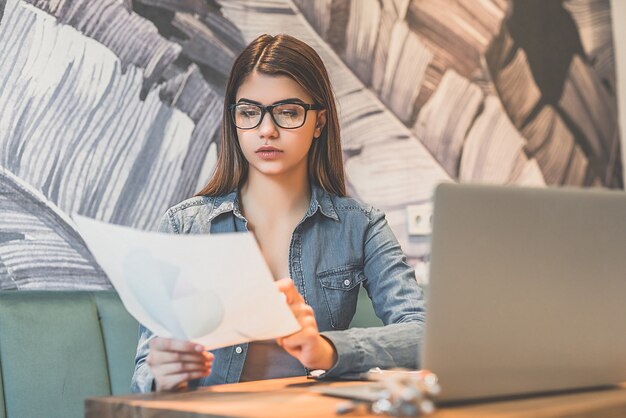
{"type": "Point", "coordinates": [527, 290]}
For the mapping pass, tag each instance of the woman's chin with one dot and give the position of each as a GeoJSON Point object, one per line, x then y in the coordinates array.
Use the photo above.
{"type": "Point", "coordinates": [278, 167]}
{"type": "Point", "coordinates": [270, 169]}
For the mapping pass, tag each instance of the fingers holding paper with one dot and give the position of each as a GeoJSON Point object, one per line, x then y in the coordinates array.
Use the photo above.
{"type": "Point", "coordinates": [287, 288]}
{"type": "Point", "coordinates": [307, 345]}
{"type": "Point", "coordinates": [174, 362]}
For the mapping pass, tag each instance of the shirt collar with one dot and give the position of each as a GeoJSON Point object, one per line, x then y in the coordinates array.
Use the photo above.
{"type": "Point", "coordinates": [226, 203]}
{"type": "Point", "coordinates": [320, 200]}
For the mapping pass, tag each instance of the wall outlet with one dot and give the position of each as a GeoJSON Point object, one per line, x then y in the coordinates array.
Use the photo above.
{"type": "Point", "coordinates": [419, 219]}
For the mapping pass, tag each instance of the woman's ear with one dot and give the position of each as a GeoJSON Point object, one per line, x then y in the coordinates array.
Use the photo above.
{"type": "Point", "coordinates": [320, 123]}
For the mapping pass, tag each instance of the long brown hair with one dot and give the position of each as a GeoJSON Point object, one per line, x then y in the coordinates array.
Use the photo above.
{"type": "Point", "coordinates": [281, 55]}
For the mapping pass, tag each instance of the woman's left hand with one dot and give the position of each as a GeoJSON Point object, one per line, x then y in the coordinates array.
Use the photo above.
{"type": "Point", "coordinates": [307, 345]}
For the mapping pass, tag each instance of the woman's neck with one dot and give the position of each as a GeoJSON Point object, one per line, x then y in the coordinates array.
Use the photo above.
{"type": "Point", "coordinates": [274, 197]}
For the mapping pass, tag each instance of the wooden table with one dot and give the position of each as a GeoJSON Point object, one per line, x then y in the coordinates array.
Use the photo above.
{"type": "Point", "coordinates": [293, 398]}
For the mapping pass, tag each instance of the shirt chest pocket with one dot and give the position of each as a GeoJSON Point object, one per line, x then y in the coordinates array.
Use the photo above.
{"type": "Point", "coordinates": [341, 292]}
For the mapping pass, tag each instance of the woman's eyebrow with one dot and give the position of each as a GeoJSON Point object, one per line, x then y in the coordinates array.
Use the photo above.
{"type": "Point", "coordinates": [290, 100]}
{"type": "Point", "coordinates": [243, 99]}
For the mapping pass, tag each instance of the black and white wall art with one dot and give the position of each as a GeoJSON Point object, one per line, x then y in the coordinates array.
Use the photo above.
{"type": "Point", "coordinates": [112, 108]}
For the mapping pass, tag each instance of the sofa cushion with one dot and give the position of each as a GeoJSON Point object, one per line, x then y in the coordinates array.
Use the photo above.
{"type": "Point", "coordinates": [121, 333]}
{"type": "Point", "coordinates": [2, 408]}
{"type": "Point", "coordinates": [53, 350]}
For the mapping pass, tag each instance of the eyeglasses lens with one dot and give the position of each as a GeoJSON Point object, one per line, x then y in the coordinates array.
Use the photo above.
{"type": "Point", "coordinates": [288, 115]}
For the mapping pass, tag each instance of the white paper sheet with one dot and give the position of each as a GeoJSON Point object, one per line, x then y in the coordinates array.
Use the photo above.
{"type": "Point", "coordinates": [215, 290]}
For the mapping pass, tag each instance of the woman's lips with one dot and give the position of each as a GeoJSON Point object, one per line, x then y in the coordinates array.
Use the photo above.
{"type": "Point", "coordinates": [268, 153]}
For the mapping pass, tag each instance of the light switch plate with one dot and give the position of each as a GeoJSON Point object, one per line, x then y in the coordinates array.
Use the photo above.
{"type": "Point", "coordinates": [419, 219]}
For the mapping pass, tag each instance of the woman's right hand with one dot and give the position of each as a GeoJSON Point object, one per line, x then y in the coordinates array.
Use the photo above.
{"type": "Point", "coordinates": [174, 362]}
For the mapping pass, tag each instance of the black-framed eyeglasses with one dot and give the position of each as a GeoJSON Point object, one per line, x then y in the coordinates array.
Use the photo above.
{"type": "Point", "coordinates": [287, 115]}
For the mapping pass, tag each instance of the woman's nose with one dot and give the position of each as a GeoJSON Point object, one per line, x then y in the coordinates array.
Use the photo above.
{"type": "Point", "coordinates": [267, 128]}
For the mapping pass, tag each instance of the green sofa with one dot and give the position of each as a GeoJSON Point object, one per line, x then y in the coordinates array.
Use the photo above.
{"type": "Point", "coordinates": [59, 347]}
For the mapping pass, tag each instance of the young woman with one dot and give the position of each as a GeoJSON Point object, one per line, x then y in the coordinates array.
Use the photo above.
{"type": "Point", "coordinates": [279, 175]}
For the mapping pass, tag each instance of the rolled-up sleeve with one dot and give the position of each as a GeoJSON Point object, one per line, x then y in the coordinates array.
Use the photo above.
{"type": "Point", "coordinates": [142, 381]}
{"type": "Point", "coordinates": [398, 301]}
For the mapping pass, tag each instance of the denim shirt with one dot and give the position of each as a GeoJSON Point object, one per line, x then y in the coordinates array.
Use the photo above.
{"type": "Point", "coordinates": [339, 245]}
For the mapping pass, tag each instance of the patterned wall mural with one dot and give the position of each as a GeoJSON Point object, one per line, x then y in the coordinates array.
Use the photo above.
{"type": "Point", "coordinates": [111, 108]}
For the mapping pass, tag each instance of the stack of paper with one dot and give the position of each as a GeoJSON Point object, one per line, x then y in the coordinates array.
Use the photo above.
{"type": "Point", "coordinates": [215, 290]}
